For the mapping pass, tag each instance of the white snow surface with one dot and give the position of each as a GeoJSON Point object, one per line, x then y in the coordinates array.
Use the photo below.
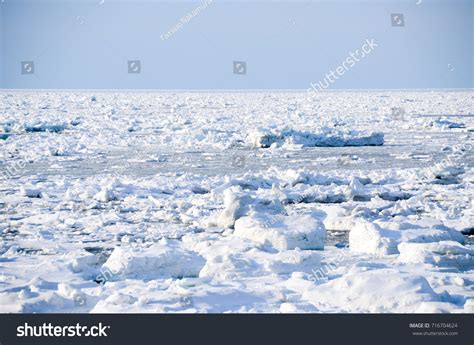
{"type": "Point", "coordinates": [237, 202]}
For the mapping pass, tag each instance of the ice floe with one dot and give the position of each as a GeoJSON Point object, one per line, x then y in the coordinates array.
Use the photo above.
{"type": "Point", "coordinates": [265, 138]}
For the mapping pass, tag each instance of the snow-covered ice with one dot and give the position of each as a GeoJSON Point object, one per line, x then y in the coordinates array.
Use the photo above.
{"type": "Point", "coordinates": [304, 231]}
{"type": "Point", "coordinates": [156, 261]}
{"type": "Point", "coordinates": [327, 138]}
{"type": "Point", "coordinates": [442, 253]}
{"type": "Point", "coordinates": [237, 202]}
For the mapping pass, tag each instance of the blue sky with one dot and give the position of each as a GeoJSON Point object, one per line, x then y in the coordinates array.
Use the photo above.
{"type": "Point", "coordinates": [87, 44]}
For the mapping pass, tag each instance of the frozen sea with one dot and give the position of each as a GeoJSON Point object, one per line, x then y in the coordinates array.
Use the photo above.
{"type": "Point", "coordinates": [264, 201]}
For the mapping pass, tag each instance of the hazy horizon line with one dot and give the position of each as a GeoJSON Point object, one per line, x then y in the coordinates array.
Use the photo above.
{"type": "Point", "coordinates": [230, 90]}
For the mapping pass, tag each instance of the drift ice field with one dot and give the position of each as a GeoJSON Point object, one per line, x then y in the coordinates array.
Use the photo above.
{"type": "Point", "coordinates": [267, 202]}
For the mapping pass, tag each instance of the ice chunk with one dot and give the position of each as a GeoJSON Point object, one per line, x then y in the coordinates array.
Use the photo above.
{"type": "Point", "coordinates": [374, 291]}
{"type": "Point", "coordinates": [229, 267]}
{"type": "Point", "coordinates": [110, 191]}
{"type": "Point", "coordinates": [435, 308]}
{"type": "Point", "coordinates": [469, 306]}
{"type": "Point", "coordinates": [106, 194]}
{"type": "Point", "coordinates": [116, 302]}
{"type": "Point", "coordinates": [293, 261]}
{"type": "Point", "coordinates": [157, 261]}
{"type": "Point", "coordinates": [356, 190]}
{"type": "Point", "coordinates": [238, 204]}
{"type": "Point", "coordinates": [446, 174]}
{"type": "Point", "coordinates": [370, 238]}
{"type": "Point", "coordinates": [288, 308]}
{"type": "Point", "coordinates": [283, 232]}
{"type": "Point", "coordinates": [45, 127]}
{"type": "Point", "coordinates": [30, 192]}
{"type": "Point", "coordinates": [444, 253]}
{"type": "Point", "coordinates": [84, 263]}
{"type": "Point", "coordinates": [328, 137]}
{"type": "Point", "coordinates": [434, 234]}
{"type": "Point", "coordinates": [444, 123]}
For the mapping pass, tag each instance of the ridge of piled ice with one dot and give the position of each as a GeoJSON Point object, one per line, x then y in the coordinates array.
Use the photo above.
{"type": "Point", "coordinates": [328, 137]}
